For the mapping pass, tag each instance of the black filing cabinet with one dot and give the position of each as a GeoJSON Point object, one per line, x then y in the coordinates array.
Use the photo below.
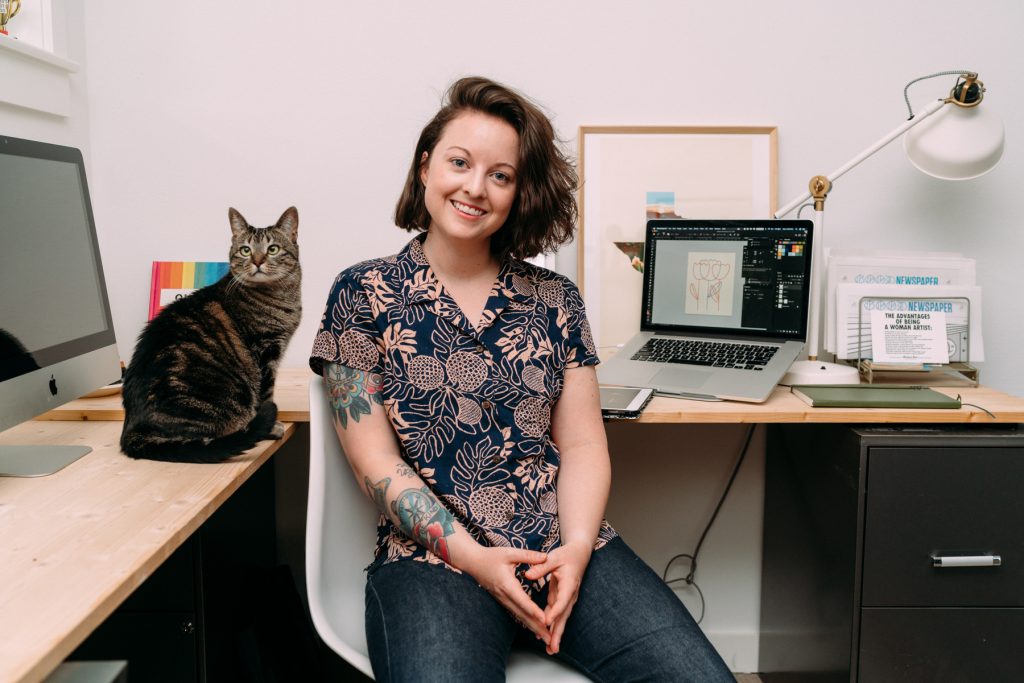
{"type": "Point", "coordinates": [865, 533]}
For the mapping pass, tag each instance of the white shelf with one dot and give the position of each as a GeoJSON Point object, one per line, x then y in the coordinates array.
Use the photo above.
{"type": "Point", "coordinates": [33, 78]}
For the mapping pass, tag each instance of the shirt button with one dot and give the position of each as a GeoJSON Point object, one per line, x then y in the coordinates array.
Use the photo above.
{"type": "Point", "coordinates": [486, 405]}
{"type": "Point", "coordinates": [480, 348]}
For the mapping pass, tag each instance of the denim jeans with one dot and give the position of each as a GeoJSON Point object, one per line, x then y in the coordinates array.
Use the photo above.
{"type": "Point", "coordinates": [426, 623]}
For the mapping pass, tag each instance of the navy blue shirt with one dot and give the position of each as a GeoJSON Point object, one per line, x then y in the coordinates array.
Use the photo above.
{"type": "Point", "coordinates": [471, 405]}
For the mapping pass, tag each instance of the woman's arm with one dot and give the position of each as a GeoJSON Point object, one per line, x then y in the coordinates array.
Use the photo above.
{"type": "Point", "coordinates": [584, 479]}
{"type": "Point", "coordinates": [372, 449]}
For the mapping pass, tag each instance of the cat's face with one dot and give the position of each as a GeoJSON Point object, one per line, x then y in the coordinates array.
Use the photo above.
{"type": "Point", "coordinates": [264, 255]}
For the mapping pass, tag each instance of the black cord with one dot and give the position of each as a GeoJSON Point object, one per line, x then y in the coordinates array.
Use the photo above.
{"type": "Point", "coordinates": [975, 405]}
{"type": "Point", "coordinates": [689, 578]}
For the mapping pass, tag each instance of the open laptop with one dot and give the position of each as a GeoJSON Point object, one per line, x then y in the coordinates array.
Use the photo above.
{"type": "Point", "coordinates": [724, 309]}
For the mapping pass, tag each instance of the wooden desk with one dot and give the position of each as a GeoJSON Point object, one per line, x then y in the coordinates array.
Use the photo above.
{"type": "Point", "coordinates": [75, 544]}
{"type": "Point", "coordinates": [782, 407]}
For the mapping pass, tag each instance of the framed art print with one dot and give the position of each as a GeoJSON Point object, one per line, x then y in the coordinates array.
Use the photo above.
{"type": "Point", "coordinates": [629, 174]}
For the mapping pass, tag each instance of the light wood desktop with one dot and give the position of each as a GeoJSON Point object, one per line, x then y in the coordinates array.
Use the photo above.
{"type": "Point", "coordinates": [75, 544]}
{"type": "Point", "coordinates": [782, 407]}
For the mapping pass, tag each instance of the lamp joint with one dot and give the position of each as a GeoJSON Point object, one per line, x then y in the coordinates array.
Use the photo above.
{"type": "Point", "coordinates": [819, 188]}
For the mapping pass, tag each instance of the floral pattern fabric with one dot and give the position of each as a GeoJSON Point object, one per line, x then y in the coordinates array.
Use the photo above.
{"type": "Point", "coordinates": [471, 405]}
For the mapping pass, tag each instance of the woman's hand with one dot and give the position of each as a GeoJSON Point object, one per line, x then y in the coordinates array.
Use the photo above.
{"type": "Point", "coordinates": [495, 570]}
{"type": "Point", "coordinates": [566, 565]}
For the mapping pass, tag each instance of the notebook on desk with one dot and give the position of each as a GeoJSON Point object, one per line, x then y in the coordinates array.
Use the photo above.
{"type": "Point", "coordinates": [724, 308]}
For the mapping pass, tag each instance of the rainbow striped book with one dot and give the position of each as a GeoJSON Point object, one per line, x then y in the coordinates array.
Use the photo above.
{"type": "Point", "coordinates": [176, 279]}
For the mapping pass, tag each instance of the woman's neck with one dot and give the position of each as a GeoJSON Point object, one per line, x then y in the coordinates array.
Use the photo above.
{"type": "Point", "coordinates": [454, 262]}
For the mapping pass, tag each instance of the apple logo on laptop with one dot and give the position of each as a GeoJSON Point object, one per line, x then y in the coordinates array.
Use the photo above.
{"type": "Point", "coordinates": [53, 386]}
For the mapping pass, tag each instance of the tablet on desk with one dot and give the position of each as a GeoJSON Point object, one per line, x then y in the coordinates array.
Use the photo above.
{"type": "Point", "coordinates": [624, 402]}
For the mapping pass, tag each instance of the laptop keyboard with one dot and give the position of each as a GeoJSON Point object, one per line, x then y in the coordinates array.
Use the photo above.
{"type": "Point", "coordinates": [713, 354]}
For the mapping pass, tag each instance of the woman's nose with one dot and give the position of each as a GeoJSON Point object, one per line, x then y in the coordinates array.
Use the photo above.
{"type": "Point", "coordinates": [475, 185]}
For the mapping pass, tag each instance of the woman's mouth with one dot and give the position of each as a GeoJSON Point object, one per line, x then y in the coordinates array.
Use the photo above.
{"type": "Point", "coordinates": [467, 209]}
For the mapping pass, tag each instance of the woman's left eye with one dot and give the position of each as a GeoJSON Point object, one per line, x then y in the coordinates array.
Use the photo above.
{"type": "Point", "coordinates": [273, 249]}
{"type": "Point", "coordinates": [502, 177]}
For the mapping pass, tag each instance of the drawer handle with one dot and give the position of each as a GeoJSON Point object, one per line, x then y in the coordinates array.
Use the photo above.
{"type": "Point", "coordinates": [966, 560]}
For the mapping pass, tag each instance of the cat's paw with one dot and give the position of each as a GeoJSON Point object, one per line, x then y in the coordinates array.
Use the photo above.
{"type": "Point", "coordinates": [277, 431]}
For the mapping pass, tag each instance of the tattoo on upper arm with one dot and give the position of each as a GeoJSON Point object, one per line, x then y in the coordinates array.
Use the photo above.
{"type": "Point", "coordinates": [352, 392]}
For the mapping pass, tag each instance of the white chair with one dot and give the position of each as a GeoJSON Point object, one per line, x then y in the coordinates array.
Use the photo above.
{"type": "Point", "coordinates": [341, 531]}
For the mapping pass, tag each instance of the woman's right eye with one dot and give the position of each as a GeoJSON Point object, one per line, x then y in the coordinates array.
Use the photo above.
{"type": "Point", "coordinates": [459, 163]}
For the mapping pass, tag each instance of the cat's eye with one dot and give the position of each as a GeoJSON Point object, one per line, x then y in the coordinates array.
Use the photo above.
{"type": "Point", "coordinates": [245, 251]}
{"type": "Point", "coordinates": [273, 249]}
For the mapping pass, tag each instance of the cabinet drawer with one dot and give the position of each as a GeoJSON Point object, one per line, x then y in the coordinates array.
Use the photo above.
{"type": "Point", "coordinates": [940, 645]}
{"type": "Point", "coordinates": [922, 502]}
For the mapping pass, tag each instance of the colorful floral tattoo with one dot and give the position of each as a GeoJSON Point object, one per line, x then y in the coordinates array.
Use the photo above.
{"type": "Point", "coordinates": [352, 391]}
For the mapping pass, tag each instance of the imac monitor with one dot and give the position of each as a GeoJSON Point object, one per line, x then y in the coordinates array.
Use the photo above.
{"type": "Point", "coordinates": [56, 332]}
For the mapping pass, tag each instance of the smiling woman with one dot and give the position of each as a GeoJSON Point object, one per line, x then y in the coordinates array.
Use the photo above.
{"type": "Point", "coordinates": [483, 443]}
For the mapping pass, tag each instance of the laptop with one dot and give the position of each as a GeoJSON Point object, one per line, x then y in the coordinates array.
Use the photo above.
{"type": "Point", "coordinates": [724, 310]}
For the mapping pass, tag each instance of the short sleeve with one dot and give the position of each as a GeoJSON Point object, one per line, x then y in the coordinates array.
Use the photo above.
{"type": "Point", "coordinates": [581, 342]}
{"type": "Point", "coordinates": [347, 333]}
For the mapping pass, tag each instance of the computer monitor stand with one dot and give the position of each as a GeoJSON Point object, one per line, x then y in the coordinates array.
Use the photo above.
{"type": "Point", "coordinates": [37, 460]}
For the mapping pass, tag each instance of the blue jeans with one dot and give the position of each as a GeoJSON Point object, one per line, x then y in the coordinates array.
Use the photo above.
{"type": "Point", "coordinates": [426, 623]}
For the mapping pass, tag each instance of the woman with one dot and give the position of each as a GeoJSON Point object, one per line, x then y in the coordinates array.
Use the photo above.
{"type": "Point", "coordinates": [466, 401]}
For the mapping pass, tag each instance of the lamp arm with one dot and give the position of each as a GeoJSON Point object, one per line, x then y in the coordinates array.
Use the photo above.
{"type": "Point", "coordinates": [849, 165]}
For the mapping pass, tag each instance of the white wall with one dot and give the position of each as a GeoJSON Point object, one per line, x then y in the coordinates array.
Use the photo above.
{"type": "Point", "coordinates": [65, 32]}
{"type": "Point", "coordinates": [261, 105]}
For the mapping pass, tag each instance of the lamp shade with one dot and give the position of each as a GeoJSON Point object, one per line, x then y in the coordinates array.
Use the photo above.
{"type": "Point", "coordinates": [956, 143]}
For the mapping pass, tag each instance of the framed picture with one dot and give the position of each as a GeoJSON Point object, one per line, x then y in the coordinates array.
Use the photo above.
{"type": "Point", "coordinates": [629, 174]}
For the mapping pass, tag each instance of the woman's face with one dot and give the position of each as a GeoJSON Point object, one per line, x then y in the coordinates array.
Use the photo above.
{"type": "Point", "coordinates": [470, 178]}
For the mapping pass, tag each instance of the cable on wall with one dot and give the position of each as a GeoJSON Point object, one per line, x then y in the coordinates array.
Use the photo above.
{"type": "Point", "coordinates": [689, 578]}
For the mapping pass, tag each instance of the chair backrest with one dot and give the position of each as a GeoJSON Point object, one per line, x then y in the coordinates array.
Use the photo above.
{"type": "Point", "coordinates": [341, 532]}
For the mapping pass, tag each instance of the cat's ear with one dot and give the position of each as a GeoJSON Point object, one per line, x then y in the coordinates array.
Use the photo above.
{"type": "Point", "coordinates": [238, 223]}
{"type": "Point", "coordinates": [289, 222]}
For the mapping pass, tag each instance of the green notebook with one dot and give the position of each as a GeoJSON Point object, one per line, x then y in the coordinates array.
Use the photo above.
{"type": "Point", "coordinates": [872, 396]}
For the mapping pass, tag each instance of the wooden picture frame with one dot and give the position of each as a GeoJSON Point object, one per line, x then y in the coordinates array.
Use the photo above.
{"type": "Point", "coordinates": [630, 173]}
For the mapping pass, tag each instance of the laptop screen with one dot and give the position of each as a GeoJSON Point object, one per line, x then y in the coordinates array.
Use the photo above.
{"type": "Point", "coordinates": [741, 277]}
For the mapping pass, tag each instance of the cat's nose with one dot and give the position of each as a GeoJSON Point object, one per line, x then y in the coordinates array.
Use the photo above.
{"type": "Point", "coordinates": [258, 259]}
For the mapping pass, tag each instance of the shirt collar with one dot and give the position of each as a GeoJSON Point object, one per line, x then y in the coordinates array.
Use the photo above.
{"type": "Point", "coordinates": [513, 284]}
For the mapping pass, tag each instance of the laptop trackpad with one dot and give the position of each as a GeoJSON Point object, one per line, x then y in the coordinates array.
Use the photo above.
{"type": "Point", "coordinates": [681, 378]}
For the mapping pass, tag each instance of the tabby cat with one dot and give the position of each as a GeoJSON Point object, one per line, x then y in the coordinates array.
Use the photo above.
{"type": "Point", "coordinates": [199, 384]}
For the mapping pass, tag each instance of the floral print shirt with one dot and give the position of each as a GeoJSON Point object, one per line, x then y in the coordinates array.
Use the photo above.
{"type": "Point", "coordinates": [471, 405]}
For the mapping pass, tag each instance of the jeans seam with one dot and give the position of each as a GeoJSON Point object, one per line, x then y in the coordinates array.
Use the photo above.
{"type": "Point", "coordinates": [383, 624]}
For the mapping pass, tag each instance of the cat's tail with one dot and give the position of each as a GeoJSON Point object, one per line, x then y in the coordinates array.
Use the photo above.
{"type": "Point", "coordinates": [152, 444]}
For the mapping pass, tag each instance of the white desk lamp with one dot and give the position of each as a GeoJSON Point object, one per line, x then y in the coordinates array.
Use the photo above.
{"type": "Point", "coordinates": [959, 142]}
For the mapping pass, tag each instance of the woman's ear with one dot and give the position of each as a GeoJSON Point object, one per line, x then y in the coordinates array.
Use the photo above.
{"type": "Point", "coordinates": [423, 168]}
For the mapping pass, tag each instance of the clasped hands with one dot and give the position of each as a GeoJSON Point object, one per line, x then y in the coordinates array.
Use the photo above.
{"type": "Point", "coordinates": [495, 570]}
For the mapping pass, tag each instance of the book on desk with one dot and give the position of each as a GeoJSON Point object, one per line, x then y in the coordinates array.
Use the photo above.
{"type": "Point", "coordinates": [873, 396]}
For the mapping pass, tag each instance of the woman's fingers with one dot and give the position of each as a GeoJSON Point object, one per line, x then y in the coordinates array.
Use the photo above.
{"type": "Point", "coordinates": [555, 641]}
{"type": "Point", "coordinates": [516, 601]}
{"type": "Point", "coordinates": [559, 597]}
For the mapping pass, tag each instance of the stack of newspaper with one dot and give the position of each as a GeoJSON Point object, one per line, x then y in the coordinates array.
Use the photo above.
{"type": "Point", "coordinates": [858, 282]}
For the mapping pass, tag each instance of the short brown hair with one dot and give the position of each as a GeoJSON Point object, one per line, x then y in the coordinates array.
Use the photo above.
{"type": "Point", "coordinates": [543, 215]}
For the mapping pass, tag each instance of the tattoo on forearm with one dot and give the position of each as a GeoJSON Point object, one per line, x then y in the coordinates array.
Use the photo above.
{"type": "Point", "coordinates": [352, 391]}
{"type": "Point", "coordinates": [418, 514]}
{"type": "Point", "coordinates": [422, 518]}
{"type": "Point", "coordinates": [377, 492]}
{"type": "Point", "coordinates": [404, 470]}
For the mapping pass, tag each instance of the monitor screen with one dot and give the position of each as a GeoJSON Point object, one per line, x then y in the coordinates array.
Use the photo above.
{"type": "Point", "coordinates": [56, 332]}
{"type": "Point", "coordinates": [724, 276]}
